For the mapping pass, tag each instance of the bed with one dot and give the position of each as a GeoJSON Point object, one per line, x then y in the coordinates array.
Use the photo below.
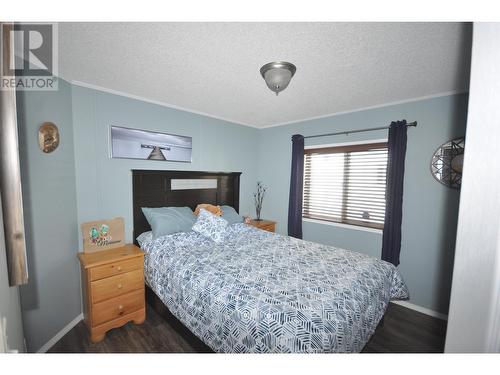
{"type": "Point", "coordinates": [258, 292]}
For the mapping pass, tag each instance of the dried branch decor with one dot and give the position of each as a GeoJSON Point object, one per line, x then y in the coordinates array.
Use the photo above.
{"type": "Point", "coordinates": [258, 199]}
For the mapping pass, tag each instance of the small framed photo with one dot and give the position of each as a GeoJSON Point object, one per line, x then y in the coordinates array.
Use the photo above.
{"type": "Point", "coordinates": [101, 235]}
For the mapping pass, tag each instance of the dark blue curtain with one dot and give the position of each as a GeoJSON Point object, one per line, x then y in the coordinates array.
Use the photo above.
{"type": "Point", "coordinates": [391, 240]}
{"type": "Point", "coordinates": [296, 184]}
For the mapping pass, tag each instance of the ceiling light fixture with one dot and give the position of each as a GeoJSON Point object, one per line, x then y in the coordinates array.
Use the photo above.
{"type": "Point", "coordinates": [277, 75]}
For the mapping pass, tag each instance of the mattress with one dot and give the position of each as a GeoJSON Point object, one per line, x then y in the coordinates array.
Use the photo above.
{"type": "Point", "coordinates": [261, 292]}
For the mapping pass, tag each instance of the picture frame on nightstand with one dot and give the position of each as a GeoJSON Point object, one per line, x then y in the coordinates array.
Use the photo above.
{"type": "Point", "coordinates": [102, 235]}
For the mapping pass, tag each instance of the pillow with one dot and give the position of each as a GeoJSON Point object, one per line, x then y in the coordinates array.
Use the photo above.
{"type": "Point", "coordinates": [144, 238]}
{"type": "Point", "coordinates": [185, 212]}
{"type": "Point", "coordinates": [209, 207]}
{"type": "Point", "coordinates": [211, 226]}
{"type": "Point", "coordinates": [230, 214]}
{"type": "Point", "coordinates": [169, 220]}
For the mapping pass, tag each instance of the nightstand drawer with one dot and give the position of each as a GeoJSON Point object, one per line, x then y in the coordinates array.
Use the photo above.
{"type": "Point", "coordinates": [116, 268]}
{"type": "Point", "coordinates": [117, 307]}
{"type": "Point", "coordinates": [116, 285]}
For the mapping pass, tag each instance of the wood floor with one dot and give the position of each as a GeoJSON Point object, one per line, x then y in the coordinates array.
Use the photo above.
{"type": "Point", "coordinates": [407, 331]}
{"type": "Point", "coordinates": [403, 331]}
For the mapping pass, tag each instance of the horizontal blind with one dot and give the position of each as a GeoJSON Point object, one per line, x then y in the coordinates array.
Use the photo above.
{"type": "Point", "coordinates": [346, 184]}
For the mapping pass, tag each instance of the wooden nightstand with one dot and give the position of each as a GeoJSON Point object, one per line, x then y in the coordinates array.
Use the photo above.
{"type": "Point", "coordinates": [268, 225]}
{"type": "Point", "coordinates": [113, 289]}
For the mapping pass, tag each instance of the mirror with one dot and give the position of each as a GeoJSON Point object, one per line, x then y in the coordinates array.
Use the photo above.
{"type": "Point", "coordinates": [447, 163]}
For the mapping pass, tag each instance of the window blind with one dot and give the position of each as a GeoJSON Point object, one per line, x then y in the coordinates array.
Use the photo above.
{"type": "Point", "coordinates": [346, 184]}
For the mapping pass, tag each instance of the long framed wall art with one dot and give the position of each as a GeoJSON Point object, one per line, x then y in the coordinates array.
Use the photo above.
{"type": "Point", "coordinates": [148, 145]}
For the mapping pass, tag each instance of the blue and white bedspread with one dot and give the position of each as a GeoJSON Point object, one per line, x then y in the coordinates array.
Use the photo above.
{"type": "Point", "coordinates": [263, 292]}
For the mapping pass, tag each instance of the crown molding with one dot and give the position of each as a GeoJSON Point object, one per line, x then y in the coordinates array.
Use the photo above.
{"type": "Point", "coordinates": [172, 106]}
{"type": "Point", "coordinates": [410, 100]}
{"type": "Point", "coordinates": [157, 102]}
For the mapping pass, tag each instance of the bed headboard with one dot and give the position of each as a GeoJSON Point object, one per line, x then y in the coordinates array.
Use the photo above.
{"type": "Point", "coordinates": [154, 188]}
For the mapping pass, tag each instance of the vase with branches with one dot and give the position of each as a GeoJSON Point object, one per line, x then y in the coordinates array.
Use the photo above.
{"type": "Point", "coordinates": [258, 197]}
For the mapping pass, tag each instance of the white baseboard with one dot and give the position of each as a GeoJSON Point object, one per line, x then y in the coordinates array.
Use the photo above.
{"type": "Point", "coordinates": [423, 310]}
{"type": "Point", "coordinates": [60, 334]}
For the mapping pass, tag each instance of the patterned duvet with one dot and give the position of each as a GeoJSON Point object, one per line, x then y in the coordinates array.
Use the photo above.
{"type": "Point", "coordinates": [261, 292]}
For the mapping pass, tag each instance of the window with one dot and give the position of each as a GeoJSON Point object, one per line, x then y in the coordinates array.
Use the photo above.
{"type": "Point", "coordinates": [346, 184]}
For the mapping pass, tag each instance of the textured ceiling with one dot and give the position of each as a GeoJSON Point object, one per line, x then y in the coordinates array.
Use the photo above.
{"type": "Point", "coordinates": [213, 68]}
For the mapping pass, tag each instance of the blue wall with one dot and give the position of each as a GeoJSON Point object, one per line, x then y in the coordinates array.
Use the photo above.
{"type": "Point", "coordinates": [51, 299]}
{"type": "Point", "coordinates": [80, 182]}
{"type": "Point", "coordinates": [429, 210]}
{"type": "Point", "coordinates": [104, 185]}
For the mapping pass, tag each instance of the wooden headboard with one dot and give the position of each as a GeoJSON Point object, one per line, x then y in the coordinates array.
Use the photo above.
{"type": "Point", "coordinates": [153, 188]}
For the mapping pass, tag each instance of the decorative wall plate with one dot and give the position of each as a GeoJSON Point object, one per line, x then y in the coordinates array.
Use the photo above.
{"type": "Point", "coordinates": [447, 163]}
{"type": "Point", "coordinates": [48, 137]}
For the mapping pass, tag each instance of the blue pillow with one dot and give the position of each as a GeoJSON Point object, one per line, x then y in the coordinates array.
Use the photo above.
{"type": "Point", "coordinates": [183, 211]}
{"type": "Point", "coordinates": [230, 214]}
{"type": "Point", "coordinates": [169, 220]}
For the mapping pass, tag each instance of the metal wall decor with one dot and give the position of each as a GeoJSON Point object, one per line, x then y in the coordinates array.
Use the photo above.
{"type": "Point", "coordinates": [48, 137]}
{"type": "Point", "coordinates": [447, 163]}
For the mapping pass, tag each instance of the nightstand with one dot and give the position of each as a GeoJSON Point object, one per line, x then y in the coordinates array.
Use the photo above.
{"type": "Point", "coordinates": [268, 225]}
{"type": "Point", "coordinates": [113, 289]}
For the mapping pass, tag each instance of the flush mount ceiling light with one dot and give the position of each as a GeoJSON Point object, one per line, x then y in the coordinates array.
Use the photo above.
{"type": "Point", "coordinates": [277, 75]}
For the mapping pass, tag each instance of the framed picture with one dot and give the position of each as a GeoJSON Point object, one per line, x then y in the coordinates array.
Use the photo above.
{"type": "Point", "coordinates": [103, 234]}
{"type": "Point", "coordinates": [147, 145]}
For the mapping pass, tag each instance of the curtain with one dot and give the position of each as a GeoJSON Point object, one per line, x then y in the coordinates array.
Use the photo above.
{"type": "Point", "coordinates": [391, 239]}
{"type": "Point", "coordinates": [296, 185]}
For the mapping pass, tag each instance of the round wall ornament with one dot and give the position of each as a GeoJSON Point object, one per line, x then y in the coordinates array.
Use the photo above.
{"type": "Point", "coordinates": [447, 163]}
{"type": "Point", "coordinates": [48, 137]}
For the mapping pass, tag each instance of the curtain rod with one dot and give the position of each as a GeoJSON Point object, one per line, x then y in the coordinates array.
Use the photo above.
{"type": "Point", "coordinates": [414, 123]}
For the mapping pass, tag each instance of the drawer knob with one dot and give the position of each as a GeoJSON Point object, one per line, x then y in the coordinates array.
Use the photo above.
{"type": "Point", "coordinates": [120, 286]}
{"type": "Point", "coordinates": [120, 307]}
{"type": "Point", "coordinates": [119, 268]}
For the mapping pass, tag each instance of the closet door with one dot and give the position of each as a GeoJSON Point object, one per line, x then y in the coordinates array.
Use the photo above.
{"type": "Point", "coordinates": [10, 174]}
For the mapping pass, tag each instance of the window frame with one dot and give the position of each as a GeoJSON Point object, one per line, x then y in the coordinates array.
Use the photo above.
{"type": "Point", "coordinates": [343, 148]}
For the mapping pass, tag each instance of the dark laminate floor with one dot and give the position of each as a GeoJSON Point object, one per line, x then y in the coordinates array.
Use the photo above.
{"type": "Point", "coordinates": [403, 331]}
{"type": "Point", "coordinates": [407, 331]}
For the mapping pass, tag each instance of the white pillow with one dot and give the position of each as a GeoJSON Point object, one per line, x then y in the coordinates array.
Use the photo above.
{"type": "Point", "coordinates": [144, 238]}
{"type": "Point", "coordinates": [211, 226]}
